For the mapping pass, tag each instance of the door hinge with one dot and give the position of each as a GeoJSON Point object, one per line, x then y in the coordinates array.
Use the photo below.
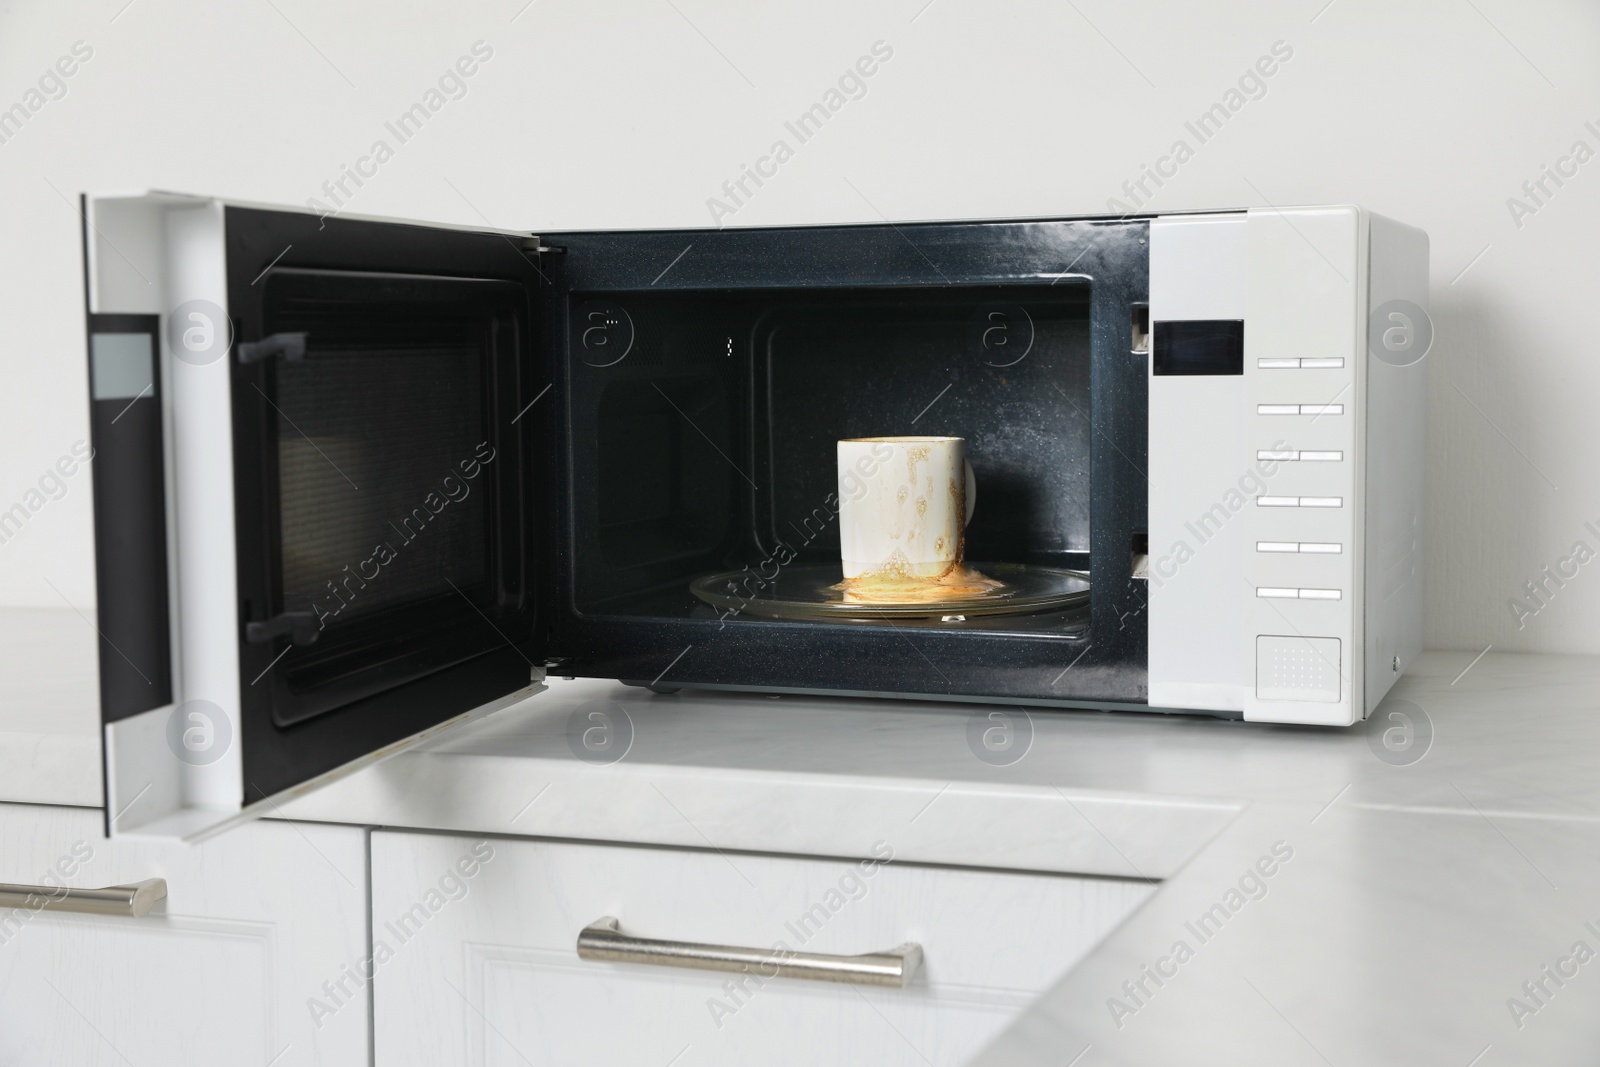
{"type": "Point", "coordinates": [291, 346]}
{"type": "Point", "coordinates": [552, 665]}
{"type": "Point", "coordinates": [300, 627]}
{"type": "Point", "coordinates": [537, 247]}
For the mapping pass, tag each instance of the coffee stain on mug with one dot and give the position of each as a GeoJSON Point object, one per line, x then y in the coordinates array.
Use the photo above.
{"type": "Point", "coordinates": [913, 457]}
{"type": "Point", "coordinates": [958, 493]}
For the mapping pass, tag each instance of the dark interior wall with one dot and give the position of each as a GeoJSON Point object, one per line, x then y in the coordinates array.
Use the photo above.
{"type": "Point", "coordinates": [711, 440]}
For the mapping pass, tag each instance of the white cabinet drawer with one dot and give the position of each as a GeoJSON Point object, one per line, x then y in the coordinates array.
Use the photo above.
{"type": "Point", "coordinates": [223, 971]}
{"type": "Point", "coordinates": [477, 962]}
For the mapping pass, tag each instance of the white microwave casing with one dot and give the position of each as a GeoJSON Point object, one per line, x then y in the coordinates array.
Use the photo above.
{"type": "Point", "coordinates": [1285, 503]}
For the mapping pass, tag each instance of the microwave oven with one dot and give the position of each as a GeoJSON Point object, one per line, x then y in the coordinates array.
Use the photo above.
{"type": "Point", "coordinates": [357, 479]}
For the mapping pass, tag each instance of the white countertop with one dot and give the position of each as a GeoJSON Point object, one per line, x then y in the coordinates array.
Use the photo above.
{"type": "Point", "coordinates": [1413, 910]}
{"type": "Point", "coordinates": [820, 776]}
{"type": "Point", "coordinates": [1417, 900]}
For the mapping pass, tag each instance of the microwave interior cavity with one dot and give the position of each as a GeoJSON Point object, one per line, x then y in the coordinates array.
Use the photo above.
{"type": "Point", "coordinates": [705, 423]}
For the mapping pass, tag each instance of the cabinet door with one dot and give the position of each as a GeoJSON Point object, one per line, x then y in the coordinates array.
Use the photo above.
{"type": "Point", "coordinates": [480, 966]}
{"type": "Point", "coordinates": [228, 969]}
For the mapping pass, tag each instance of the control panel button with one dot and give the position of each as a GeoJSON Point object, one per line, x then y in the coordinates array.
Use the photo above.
{"type": "Point", "coordinates": [1332, 548]}
{"type": "Point", "coordinates": [1321, 457]}
{"type": "Point", "coordinates": [1297, 668]}
{"type": "Point", "coordinates": [1299, 501]}
{"type": "Point", "coordinates": [1270, 592]}
{"type": "Point", "coordinates": [1323, 364]}
{"type": "Point", "coordinates": [1299, 409]}
{"type": "Point", "coordinates": [1277, 546]}
{"type": "Point", "coordinates": [1278, 364]}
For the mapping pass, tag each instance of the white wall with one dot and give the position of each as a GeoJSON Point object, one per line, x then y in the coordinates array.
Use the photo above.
{"type": "Point", "coordinates": [633, 114]}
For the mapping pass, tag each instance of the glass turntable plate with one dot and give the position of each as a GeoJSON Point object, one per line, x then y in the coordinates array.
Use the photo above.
{"type": "Point", "coordinates": [817, 591]}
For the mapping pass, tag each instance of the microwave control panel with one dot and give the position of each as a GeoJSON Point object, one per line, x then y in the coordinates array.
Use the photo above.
{"type": "Point", "coordinates": [1285, 464]}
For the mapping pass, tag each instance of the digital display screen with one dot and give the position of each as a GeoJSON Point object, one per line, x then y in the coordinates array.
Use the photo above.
{"type": "Point", "coordinates": [1199, 346]}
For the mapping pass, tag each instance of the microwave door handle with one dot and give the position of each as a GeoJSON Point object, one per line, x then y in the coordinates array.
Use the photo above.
{"type": "Point", "coordinates": [291, 346]}
{"type": "Point", "coordinates": [299, 626]}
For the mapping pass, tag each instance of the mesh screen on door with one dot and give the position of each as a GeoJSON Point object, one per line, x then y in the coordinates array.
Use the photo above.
{"type": "Point", "coordinates": [383, 496]}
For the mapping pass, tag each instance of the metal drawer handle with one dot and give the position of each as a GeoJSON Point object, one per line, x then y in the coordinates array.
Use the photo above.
{"type": "Point", "coordinates": [133, 900]}
{"type": "Point", "coordinates": [603, 940]}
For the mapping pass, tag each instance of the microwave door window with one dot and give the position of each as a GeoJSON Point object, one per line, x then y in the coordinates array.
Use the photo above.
{"type": "Point", "coordinates": [391, 485]}
{"type": "Point", "coordinates": [380, 454]}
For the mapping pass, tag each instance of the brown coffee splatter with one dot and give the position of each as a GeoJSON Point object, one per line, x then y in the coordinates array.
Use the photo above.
{"type": "Point", "coordinates": [914, 456]}
{"type": "Point", "coordinates": [893, 583]}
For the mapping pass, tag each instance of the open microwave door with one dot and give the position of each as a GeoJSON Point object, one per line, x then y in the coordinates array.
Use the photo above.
{"type": "Point", "coordinates": [317, 454]}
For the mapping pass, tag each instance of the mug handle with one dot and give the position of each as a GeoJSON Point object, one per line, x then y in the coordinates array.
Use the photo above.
{"type": "Point", "coordinates": [972, 490]}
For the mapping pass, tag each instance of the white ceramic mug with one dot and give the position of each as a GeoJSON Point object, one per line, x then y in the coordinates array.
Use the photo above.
{"type": "Point", "coordinates": [904, 504]}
